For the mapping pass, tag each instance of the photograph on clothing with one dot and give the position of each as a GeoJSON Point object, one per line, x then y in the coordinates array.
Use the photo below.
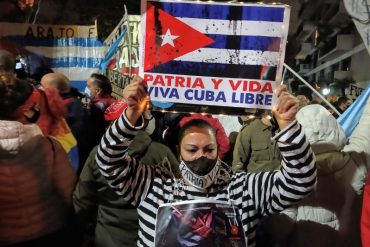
{"type": "Point", "coordinates": [199, 223]}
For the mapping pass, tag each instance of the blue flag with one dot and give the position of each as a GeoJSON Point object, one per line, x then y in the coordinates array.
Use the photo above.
{"type": "Point", "coordinates": [112, 50]}
{"type": "Point", "coordinates": [351, 117]}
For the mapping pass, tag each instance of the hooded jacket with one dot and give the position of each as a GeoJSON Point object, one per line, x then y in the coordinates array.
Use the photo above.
{"type": "Point", "coordinates": [36, 183]}
{"type": "Point", "coordinates": [330, 215]}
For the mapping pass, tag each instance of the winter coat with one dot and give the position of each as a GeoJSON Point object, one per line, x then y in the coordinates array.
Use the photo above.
{"type": "Point", "coordinates": [254, 150]}
{"type": "Point", "coordinates": [330, 215]}
{"type": "Point", "coordinates": [36, 184]}
{"type": "Point", "coordinates": [116, 219]}
{"type": "Point", "coordinates": [75, 113]}
{"type": "Point", "coordinates": [94, 126]}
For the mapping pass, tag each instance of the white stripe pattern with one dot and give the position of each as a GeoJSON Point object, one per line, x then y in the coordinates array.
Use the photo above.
{"type": "Point", "coordinates": [243, 28]}
{"type": "Point", "coordinates": [77, 74]}
{"type": "Point", "coordinates": [68, 51]}
{"type": "Point", "coordinates": [254, 194]}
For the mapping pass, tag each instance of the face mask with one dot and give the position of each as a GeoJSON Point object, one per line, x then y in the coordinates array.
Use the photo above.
{"type": "Point", "coordinates": [201, 166]}
{"type": "Point", "coordinates": [191, 172]}
{"type": "Point", "coordinates": [87, 92]}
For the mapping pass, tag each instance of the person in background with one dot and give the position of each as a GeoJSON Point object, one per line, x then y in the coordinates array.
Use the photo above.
{"type": "Point", "coordinates": [7, 62]}
{"type": "Point", "coordinates": [99, 89]}
{"type": "Point", "coordinates": [36, 176]}
{"type": "Point", "coordinates": [72, 99]}
{"type": "Point", "coordinates": [341, 105]}
{"type": "Point", "coordinates": [254, 149]}
{"type": "Point", "coordinates": [49, 114]}
{"type": "Point", "coordinates": [303, 100]}
{"type": "Point", "coordinates": [202, 174]}
{"type": "Point", "coordinates": [114, 220]}
{"type": "Point", "coordinates": [330, 215]}
{"type": "Point", "coordinates": [247, 117]}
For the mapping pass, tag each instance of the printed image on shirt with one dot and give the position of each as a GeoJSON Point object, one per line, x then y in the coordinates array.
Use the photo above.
{"type": "Point", "coordinates": [199, 223]}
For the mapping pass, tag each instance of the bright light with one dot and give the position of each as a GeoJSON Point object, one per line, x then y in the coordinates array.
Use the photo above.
{"type": "Point", "coordinates": [326, 91]}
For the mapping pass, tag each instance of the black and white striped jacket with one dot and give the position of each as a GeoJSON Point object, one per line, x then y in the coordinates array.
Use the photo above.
{"type": "Point", "coordinates": [255, 195]}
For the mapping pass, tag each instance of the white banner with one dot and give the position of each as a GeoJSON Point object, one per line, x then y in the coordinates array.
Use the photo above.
{"type": "Point", "coordinates": [217, 54]}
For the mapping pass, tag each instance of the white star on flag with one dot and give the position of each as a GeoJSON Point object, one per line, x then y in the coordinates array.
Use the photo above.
{"type": "Point", "coordinates": [168, 38]}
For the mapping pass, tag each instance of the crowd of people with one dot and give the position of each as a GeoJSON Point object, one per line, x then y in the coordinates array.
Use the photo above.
{"type": "Point", "coordinates": [291, 174]}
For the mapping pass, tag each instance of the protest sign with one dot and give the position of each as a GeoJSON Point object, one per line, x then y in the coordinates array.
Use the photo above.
{"type": "Point", "coordinates": [122, 59]}
{"type": "Point", "coordinates": [221, 56]}
{"type": "Point", "coordinates": [69, 49]}
{"type": "Point", "coordinates": [199, 223]}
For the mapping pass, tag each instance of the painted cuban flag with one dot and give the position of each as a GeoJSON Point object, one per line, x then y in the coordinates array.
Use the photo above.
{"type": "Point", "coordinates": [218, 47]}
{"type": "Point", "coordinates": [69, 49]}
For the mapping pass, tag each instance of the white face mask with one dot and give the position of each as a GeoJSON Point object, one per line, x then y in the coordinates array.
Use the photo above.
{"type": "Point", "coordinates": [87, 92]}
{"type": "Point", "coordinates": [200, 182]}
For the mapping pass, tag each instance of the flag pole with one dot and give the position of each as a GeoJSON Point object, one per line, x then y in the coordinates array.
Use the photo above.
{"type": "Point", "coordinates": [313, 89]}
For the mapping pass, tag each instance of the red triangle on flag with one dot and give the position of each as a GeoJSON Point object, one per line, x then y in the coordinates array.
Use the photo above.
{"type": "Point", "coordinates": [185, 38]}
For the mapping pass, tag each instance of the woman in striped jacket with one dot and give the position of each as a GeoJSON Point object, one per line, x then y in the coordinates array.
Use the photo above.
{"type": "Point", "coordinates": [202, 175]}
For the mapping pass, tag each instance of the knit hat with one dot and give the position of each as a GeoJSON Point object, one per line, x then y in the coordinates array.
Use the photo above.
{"type": "Point", "coordinates": [221, 137]}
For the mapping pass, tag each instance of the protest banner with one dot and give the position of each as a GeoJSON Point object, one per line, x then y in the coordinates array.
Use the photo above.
{"type": "Point", "coordinates": [122, 59]}
{"type": "Point", "coordinates": [213, 57]}
{"type": "Point", "coordinates": [199, 223]}
{"type": "Point", "coordinates": [72, 50]}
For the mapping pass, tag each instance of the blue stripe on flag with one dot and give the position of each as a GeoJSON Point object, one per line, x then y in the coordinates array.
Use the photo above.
{"type": "Point", "coordinates": [80, 85]}
{"type": "Point", "coordinates": [82, 62]}
{"type": "Point", "coordinates": [222, 12]}
{"type": "Point", "coordinates": [257, 72]}
{"type": "Point", "coordinates": [112, 50]}
{"type": "Point", "coordinates": [73, 155]}
{"type": "Point", "coordinates": [259, 43]}
{"type": "Point", "coordinates": [54, 42]}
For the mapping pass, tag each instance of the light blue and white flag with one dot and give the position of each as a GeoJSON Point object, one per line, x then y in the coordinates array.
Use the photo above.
{"type": "Point", "coordinates": [351, 117]}
{"type": "Point", "coordinates": [72, 50]}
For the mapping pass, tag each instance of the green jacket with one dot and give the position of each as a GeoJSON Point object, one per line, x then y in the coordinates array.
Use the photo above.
{"type": "Point", "coordinates": [254, 150]}
{"type": "Point", "coordinates": [96, 204]}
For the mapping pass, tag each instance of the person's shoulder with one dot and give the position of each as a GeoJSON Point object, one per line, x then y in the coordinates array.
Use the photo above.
{"type": "Point", "coordinates": [250, 124]}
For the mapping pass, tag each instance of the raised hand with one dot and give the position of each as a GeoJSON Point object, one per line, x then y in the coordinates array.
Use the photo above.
{"type": "Point", "coordinates": [136, 96]}
{"type": "Point", "coordinates": [286, 108]}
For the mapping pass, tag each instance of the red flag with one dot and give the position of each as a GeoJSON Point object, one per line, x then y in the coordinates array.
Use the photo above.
{"type": "Point", "coordinates": [168, 38]}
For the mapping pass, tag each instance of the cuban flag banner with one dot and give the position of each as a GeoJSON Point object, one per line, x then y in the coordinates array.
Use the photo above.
{"type": "Point", "coordinates": [72, 50]}
{"type": "Point", "coordinates": [213, 54]}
